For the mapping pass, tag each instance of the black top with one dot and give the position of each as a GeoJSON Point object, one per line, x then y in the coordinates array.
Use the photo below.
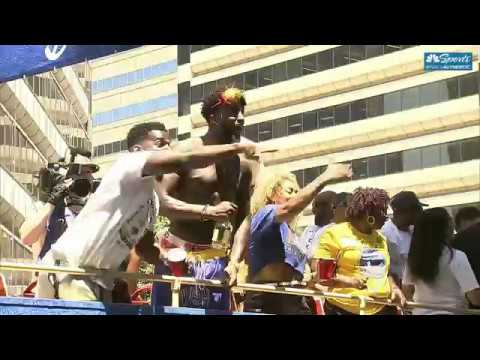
{"type": "Point", "coordinates": [468, 241]}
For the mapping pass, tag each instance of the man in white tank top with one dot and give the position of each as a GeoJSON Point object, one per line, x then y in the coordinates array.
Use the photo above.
{"type": "Point", "coordinates": [120, 214]}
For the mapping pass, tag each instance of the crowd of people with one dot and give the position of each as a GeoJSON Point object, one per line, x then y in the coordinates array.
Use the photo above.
{"type": "Point", "coordinates": [232, 219]}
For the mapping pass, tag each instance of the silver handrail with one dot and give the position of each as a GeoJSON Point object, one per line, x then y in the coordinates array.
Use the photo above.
{"type": "Point", "coordinates": [176, 282]}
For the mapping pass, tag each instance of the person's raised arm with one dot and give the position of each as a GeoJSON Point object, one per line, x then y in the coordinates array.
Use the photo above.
{"type": "Point", "coordinates": [163, 162]}
{"type": "Point", "coordinates": [35, 228]}
{"type": "Point", "coordinates": [295, 205]}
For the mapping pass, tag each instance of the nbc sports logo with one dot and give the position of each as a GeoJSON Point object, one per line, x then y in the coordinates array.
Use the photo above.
{"type": "Point", "coordinates": [432, 58]}
{"type": "Point", "coordinates": [448, 61]}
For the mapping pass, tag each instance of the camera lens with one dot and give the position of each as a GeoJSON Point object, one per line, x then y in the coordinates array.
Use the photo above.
{"type": "Point", "coordinates": [81, 187]}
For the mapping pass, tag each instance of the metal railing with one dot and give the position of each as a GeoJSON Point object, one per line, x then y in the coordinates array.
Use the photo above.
{"type": "Point", "coordinates": [176, 283]}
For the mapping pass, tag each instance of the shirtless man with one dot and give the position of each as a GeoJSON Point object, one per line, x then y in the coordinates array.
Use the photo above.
{"type": "Point", "coordinates": [196, 199]}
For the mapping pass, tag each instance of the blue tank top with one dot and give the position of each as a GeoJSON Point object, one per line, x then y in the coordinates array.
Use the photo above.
{"type": "Point", "coordinates": [269, 243]}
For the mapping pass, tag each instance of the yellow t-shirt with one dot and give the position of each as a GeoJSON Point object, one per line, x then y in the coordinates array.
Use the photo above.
{"type": "Point", "coordinates": [358, 255]}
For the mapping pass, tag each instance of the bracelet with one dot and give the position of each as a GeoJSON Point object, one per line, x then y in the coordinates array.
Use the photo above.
{"type": "Point", "coordinates": [204, 212]}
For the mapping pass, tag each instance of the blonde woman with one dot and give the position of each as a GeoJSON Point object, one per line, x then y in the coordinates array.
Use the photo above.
{"type": "Point", "coordinates": [273, 254]}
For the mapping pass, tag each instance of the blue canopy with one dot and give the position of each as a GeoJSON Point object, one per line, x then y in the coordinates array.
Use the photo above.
{"type": "Point", "coordinates": [19, 60]}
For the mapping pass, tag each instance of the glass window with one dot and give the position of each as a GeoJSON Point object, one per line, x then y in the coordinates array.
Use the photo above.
{"type": "Point", "coordinates": [429, 94]}
{"type": "Point", "coordinates": [294, 124]}
{"type": "Point", "coordinates": [375, 106]}
{"type": "Point", "coordinates": [107, 84]}
{"type": "Point", "coordinates": [265, 131]}
{"type": "Point", "coordinates": [326, 117]}
{"type": "Point", "coordinates": [359, 110]}
{"type": "Point", "coordinates": [431, 156]}
{"type": "Point", "coordinates": [394, 163]}
{"type": "Point", "coordinates": [265, 76]}
{"type": "Point", "coordinates": [108, 148]}
{"type": "Point", "coordinates": [279, 72]}
{"type": "Point", "coordinates": [309, 64]}
{"type": "Point", "coordinates": [280, 127]}
{"type": "Point", "coordinates": [450, 153]}
{"type": "Point", "coordinates": [412, 159]}
{"type": "Point", "coordinates": [410, 98]}
{"type": "Point", "coordinates": [116, 146]}
{"type": "Point", "coordinates": [392, 102]}
{"type": "Point", "coordinates": [340, 55]}
{"type": "Point", "coordinates": [469, 85]}
{"type": "Point", "coordinates": [373, 50]}
{"type": "Point", "coordinates": [470, 149]}
{"type": "Point", "coordinates": [310, 174]}
{"type": "Point", "coordinates": [251, 80]}
{"type": "Point", "coordinates": [310, 121]}
{"type": "Point", "coordinates": [101, 150]}
{"type": "Point", "coordinates": [124, 145]}
{"type": "Point", "coordinates": [294, 68]}
{"type": "Point", "coordinates": [448, 89]}
{"type": "Point", "coordinates": [237, 81]}
{"type": "Point", "coordinates": [325, 60]}
{"type": "Point", "coordinates": [359, 168]}
{"type": "Point", "coordinates": [132, 77]}
{"type": "Point", "coordinates": [342, 114]}
{"type": "Point", "coordinates": [209, 88]}
{"type": "Point", "coordinates": [357, 53]}
{"type": "Point", "coordinates": [224, 82]}
{"type": "Point", "coordinates": [197, 94]}
{"type": "Point", "coordinates": [391, 48]}
{"type": "Point", "coordinates": [148, 72]}
{"type": "Point", "coordinates": [376, 165]}
{"type": "Point", "coordinates": [116, 82]}
{"type": "Point", "coordinates": [139, 75]}
{"type": "Point", "coordinates": [299, 175]}
{"type": "Point", "coordinates": [251, 132]}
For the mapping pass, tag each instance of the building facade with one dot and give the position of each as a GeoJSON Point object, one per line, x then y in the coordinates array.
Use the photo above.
{"type": "Point", "coordinates": [41, 116]}
{"type": "Point", "coordinates": [373, 105]}
{"type": "Point", "coordinates": [132, 87]}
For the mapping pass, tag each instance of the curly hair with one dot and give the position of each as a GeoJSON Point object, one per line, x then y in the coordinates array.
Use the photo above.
{"type": "Point", "coordinates": [230, 96]}
{"type": "Point", "coordinates": [366, 201]}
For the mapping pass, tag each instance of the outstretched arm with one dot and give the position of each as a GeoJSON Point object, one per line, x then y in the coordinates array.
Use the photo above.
{"type": "Point", "coordinates": [295, 205]}
{"type": "Point", "coordinates": [163, 162]}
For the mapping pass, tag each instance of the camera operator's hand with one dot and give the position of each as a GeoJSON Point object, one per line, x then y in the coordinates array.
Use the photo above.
{"type": "Point", "coordinates": [59, 192]}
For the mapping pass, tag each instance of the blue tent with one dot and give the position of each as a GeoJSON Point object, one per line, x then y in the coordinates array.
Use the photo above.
{"type": "Point", "coordinates": [19, 60]}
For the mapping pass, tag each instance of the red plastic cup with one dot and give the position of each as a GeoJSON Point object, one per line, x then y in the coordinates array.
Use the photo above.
{"type": "Point", "coordinates": [326, 269]}
{"type": "Point", "coordinates": [176, 261]}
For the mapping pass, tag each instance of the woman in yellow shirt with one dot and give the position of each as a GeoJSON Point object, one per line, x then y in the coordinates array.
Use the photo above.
{"type": "Point", "coordinates": [362, 256]}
